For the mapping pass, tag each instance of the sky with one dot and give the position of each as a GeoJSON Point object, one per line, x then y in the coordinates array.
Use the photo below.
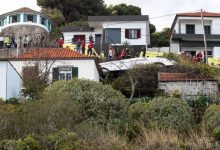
{"type": "Point", "coordinates": [161, 12]}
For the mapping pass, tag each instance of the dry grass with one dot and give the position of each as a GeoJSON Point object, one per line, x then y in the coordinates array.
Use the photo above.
{"type": "Point", "coordinates": [161, 140]}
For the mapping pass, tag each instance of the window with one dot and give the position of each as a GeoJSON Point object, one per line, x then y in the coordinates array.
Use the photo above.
{"type": "Point", "coordinates": [43, 21]}
{"type": "Point", "coordinates": [49, 27]}
{"type": "Point", "coordinates": [30, 18]}
{"type": "Point", "coordinates": [65, 73]}
{"type": "Point", "coordinates": [190, 29]}
{"type": "Point", "coordinates": [207, 29]}
{"type": "Point", "coordinates": [132, 33]}
{"type": "Point", "coordinates": [209, 54]}
{"type": "Point", "coordinates": [14, 18]}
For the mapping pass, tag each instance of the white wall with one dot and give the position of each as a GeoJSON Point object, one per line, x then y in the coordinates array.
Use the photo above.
{"type": "Point", "coordinates": [14, 82]}
{"type": "Point", "coordinates": [3, 74]}
{"type": "Point", "coordinates": [145, 35]}
{"type": "Point", "coordinates": [213, 21]}
{"type": "Point", "coordinates": [174, 47]}
{"type": "Point", "coordinates": [215, 26]}
{"type": "Point", "coordinates": [69, 35]}
{"type": "Point", "coordinates": [86, 68]}
{"type": "Point", "coordinates": [10, 81]}
{"type": "Point", "coordinates": [216, 52]}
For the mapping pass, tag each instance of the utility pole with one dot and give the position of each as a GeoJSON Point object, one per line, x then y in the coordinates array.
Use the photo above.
{"type": "Point", "coordinates": [204, 36]}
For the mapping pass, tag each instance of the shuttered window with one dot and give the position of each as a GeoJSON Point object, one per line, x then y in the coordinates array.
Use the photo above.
{"type": "Point", "coordinates": [64, 73]}
{"type": "Point", "coordinates": [132, 33]}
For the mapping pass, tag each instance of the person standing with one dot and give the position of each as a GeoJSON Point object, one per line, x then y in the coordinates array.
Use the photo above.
{"type": "Point", "coordinates": [60, 43]}
{"type": "Point", "coordinates": [83, 46]}
{"type": "Point", "coordinates": [78, 45]}
{"type": "Point", "coordinates": [90, 46]}
{"type": "Point", "coordinates": [6, 42]}
{"type": "Point", "coordinates": [110, 53]}
{"type": "Point", "coordinates": [26, 41]}
{"type": "Point", "coordinates": [1, 41]}
{"type": "Point", "coordinates": [199, 56]}
{"type": "Point", "coordinates": [13, 43]}
{"type": "Point", "coordinates": [123, 54]}
{"type": "Point", "coordinates": [91, 38]}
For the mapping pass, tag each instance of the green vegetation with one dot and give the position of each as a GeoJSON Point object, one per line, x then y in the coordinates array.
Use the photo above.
{"type": "Point", "coordinates": [123, 9]}
{"type": "Point", "coordinates": [82, 114]}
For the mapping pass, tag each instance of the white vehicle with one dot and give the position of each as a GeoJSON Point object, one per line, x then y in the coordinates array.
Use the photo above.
{"type": "Point", "coordinates": [125, 64]}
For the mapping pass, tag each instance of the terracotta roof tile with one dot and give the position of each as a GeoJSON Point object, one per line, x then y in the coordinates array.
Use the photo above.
{"type": "Point", "coordinates": [198, 14]}
{"type": "Point", "coordinates": [52, 53]}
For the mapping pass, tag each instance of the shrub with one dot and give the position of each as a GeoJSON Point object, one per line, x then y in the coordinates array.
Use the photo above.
{"type": "Point", "coordinates": [47, 115]}
{"type": "Point", "coordinates": [60, 140]}
{"type": "Point", "coordinates": [28, 143]}
{"type": "Point", "coordinates": [212, 116]}
{"type": "Point", "coordinates": [199, 105]}
{"type": "Point", "coordinates": [102, 105]}
{"type": "Point", "coordinates": [135, 114]}
{"type": "Point", "coordinates": [168, 113]}
{"type": "Point", "coordinates": [216, 134]}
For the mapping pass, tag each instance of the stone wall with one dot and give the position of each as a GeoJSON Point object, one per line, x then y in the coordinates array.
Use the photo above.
{"type": "Point", "coordinates": [190, 87]}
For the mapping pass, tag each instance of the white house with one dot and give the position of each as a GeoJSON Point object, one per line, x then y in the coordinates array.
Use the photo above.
{"type": "Point", "coordinates": [187, 33]}
{"type": "Point", "coordinates": [62, 64]}
{"type": "Point", "coordinates": [114, 30]}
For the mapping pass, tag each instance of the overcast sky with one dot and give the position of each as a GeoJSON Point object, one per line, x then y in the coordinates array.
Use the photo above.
{"type": "Point", "coordinates": [153, 8]}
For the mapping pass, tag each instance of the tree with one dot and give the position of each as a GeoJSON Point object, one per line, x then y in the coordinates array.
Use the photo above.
{"type": "Point", "coordinates": [123, 9]}
{"type": "Point", "coordinates": [152, 29]}
{"type": "Point", "coordinates": [74, 10]}
{"type": "Point", "coordinates": [160, 39]}
{"type": "Point", "coordinates": [36, 77]}
{"type": "Point", "coordinates": [55, 14]}
{"type": "Point", "coordinates": [140, 80]}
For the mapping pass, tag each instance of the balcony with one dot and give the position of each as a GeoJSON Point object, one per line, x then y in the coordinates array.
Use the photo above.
{"type": "Point", "coordinates": [195, 37]}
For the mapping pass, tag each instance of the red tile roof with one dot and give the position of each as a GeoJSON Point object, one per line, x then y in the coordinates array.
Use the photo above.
{"type": "Point", "coordinates": [52, 53]}
{"type": "Point", "coordinates": [198, 14]}
{"type": "Point", "coordinates": [175, 77]}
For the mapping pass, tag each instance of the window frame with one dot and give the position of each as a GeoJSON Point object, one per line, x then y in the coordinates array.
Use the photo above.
{"type": "Point", "coordinates": [209, 29]}
{"type": "Point", "coordinates": [62, 73]}
{"type": "Point", "coordinates": [66, 71]}
{"type": "Point", "coordinates": [191, 30]}
{"type": "Point", "coordinates": [14, 18]}
{"type": "Point", "coordinates": [132, 33]}
{"type": "Point", "coordinates": [43, 21]}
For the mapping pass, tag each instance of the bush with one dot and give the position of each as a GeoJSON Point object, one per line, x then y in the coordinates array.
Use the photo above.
{"type": "Point", "coordinates": [212, 116]}
{"type": "Point", "coordinates": [102, 105]}
{"type": "Point", "coordinates": [216, 134]}
{"type": "Point", "coordinates": [199, 105]}
{"type": "Point", "coordinates": [28, 143]}
{"type": "Point", "coordinates": [60, 140]}
{"type": "Point", "coordinates": [168, 113]}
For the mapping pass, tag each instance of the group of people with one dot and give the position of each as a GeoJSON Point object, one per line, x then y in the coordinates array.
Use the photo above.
{"type": "Point", "coordinates": [7, 41]}
{"type": "Point", "coordinates": [124, 53]}
{"type": "Point", "coordinates": [10, 41]}
{"type": "Point", "coordinates": [195, 58]}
